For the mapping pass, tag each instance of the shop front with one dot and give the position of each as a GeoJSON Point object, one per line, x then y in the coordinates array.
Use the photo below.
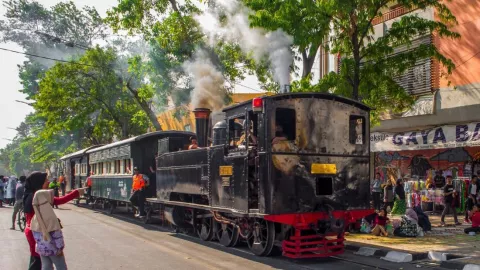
{"type": "Point", "coordinates": [417, 155]}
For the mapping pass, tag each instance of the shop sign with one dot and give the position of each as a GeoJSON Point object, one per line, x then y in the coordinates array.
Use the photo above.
{"type": "Point", "coordinates": [449, 136]}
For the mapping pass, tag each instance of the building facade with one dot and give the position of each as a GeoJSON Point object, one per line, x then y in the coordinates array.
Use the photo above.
{"type": "Point", "coordinates": [442, 130]}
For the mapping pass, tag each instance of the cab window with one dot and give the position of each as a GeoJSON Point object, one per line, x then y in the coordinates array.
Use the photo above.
{"type": "Point", "coordinates": [285, 123]}
{"type": "Point", "coordinates": [235, 131]}
{"type": "Point", "coordinates": [357, 129]}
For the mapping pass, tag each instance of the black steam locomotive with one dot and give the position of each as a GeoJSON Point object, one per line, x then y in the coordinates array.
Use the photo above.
{"type": "Point", "coordinates": [289, 170]}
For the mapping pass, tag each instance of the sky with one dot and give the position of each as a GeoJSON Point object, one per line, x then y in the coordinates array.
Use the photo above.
{"type": "Point", "coordinates": [13, 113]}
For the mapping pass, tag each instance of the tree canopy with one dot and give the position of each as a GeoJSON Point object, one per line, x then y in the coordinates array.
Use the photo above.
{"type": "Point", "coordinates": [369, 66]}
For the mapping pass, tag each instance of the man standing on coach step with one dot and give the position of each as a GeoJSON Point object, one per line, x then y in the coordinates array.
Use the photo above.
{"type": "Point", "coordinates": [63, 183]}
{"type": "Point", "coordinates": [138, 192]}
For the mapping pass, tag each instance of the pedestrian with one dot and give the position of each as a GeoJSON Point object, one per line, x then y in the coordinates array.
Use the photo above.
{"type": "Point", "coordinates": [439, 180]}
{"type": "Point", "coordinates": [35, 182]}
{"type": "Point", "coordinates": [19, 190]}
{"type": "Point", "coordinates": [475, 218]}
{"type": "Point", "coordinates": [54, 185]}
{"type": "Point", "coordinates": [449, 194]}
{"type": "Point", "coordinates": [138, 192]}
{"type": "Point", "coordinates": [10, 190]}
{"type": "Point", "coordinates": [193, 143]}
{"type": "Point", "coordinates": [2, 189]}
{"type": "Point", "coordinates": [399, 205]}
{"type": "Point", "coordinates": [472, 192]}
{"type": "Point", "coordinates": [409, 225]}
{"type": "Point", "coordinates": [63, 183]}
{"type": "Point", "coordinates": [388, 196]}
{"type": "Point", "coordinates": [423, 219]}
{"type": "Point", "coordinates": [381, 220]}
{"type": "Point", "coordinates": [376, 190]}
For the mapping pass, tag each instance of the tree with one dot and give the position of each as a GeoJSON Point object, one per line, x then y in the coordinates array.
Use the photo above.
{"type": "Point", "coordinates": [369, 66]}
{"type": "Point", "coordinates": [305, 21]}
{"type": "Point", "coordinates": [174, 35]}
{"type": "Point", "coordinates": [61, 32]}
{"type": "Point", "coordinates": [90, 93]}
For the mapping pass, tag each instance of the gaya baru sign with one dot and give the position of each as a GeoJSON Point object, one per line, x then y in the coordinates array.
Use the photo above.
{"type": "Point", "coordinates": [449, 136]}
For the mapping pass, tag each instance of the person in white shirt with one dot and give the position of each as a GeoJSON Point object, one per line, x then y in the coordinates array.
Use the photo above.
{"type": "Point", "coordinates": [472, 194]}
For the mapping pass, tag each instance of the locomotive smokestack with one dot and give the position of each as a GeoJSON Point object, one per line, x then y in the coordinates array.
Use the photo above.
{"type": "Point", "coordinates": [202, 118]}
{"type": "Point", "coordinates": [285, 88]}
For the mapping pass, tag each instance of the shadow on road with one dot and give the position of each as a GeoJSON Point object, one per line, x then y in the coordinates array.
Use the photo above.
{"type": "Point", "coordinates": [276, 261]}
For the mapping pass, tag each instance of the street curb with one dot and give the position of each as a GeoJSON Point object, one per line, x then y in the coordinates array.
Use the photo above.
{"type": "Point", "coordinates": [384, 252]}
{"type": "Point", "coordinates": [449, 261]}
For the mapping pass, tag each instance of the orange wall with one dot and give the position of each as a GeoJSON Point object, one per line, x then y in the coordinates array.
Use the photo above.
{"type": "Point", "coordinates": [466, 49]}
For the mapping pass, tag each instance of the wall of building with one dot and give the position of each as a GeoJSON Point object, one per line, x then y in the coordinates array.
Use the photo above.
{"type": "Point", "coordinates": [465, 53]}
{"type": "Point", "coordinates": [456, 97]}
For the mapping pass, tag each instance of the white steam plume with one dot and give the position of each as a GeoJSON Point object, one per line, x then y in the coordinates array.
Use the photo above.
{"type": "Point", "coordinates": [262, 44]}
{"type": "Point", "coordinates": [209, 90]}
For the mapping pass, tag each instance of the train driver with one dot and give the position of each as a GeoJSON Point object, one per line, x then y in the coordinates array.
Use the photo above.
{"type": "Point", "coordinates": [138, 192]}
{"type": "Point", "coordinates": [252, 139]}
{"type": "Point", "coordinates": [193, 143]}
{"type": "Point", "coordinates": [279, 135]}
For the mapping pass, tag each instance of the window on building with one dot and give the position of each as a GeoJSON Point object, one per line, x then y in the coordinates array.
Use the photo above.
{"type": "Point", "coordinates": [357, 129]}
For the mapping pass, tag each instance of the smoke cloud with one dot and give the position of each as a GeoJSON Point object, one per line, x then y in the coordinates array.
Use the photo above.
{"type": "Point", "coordinates": [274, 46]}
{"type": "Point", "coordinates": [209, 90]}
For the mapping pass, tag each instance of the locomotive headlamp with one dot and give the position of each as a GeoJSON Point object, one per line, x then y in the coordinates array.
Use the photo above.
{"type": "Point", "coordinates": [257, 104]}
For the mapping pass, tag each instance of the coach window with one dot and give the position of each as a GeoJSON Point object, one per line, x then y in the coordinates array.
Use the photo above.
{"type": "Point", "coordinates": [357, 129]}
{"type": "Point", "coordinates": [117, 166]}
{"type": "Point", "coordinates": [127, 164]}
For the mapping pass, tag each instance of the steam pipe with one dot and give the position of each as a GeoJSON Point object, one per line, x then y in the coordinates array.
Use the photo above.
{"type": "Point", "coordinates": [202, 119]}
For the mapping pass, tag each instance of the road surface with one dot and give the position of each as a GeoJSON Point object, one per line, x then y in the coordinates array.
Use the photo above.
{"type": "Point", "coordinates": [96, 240]}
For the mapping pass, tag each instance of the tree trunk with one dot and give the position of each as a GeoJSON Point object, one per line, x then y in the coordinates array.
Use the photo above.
{"type": "Point", "coordinates": [144, 105]}
{"type": "Point", "coordinates": [307, 63]}
{"type": "Point", "coordinates": [356, 68]}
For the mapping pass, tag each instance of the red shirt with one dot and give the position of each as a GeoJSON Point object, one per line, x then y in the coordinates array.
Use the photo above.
{"type": "Point", "coordinates": [381, 220]}
{"type": "Point", "coordinates": [56, 201]}
{"type": "Point", "coordinates": [475, 220]}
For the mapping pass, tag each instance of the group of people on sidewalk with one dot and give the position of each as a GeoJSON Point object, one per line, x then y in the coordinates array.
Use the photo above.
{"type": "Point", "coordinates": [394, 199]}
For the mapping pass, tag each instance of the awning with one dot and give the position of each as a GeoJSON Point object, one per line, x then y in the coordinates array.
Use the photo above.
{"type": "Point", "coordinates": [447, 136]}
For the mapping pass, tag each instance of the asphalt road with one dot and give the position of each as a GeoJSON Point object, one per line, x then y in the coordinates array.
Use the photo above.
{"type": "Point", "coordinates": [95, 240]}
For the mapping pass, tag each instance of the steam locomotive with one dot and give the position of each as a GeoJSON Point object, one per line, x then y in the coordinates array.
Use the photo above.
{"type": "Point", "coordinates": [289, 170]}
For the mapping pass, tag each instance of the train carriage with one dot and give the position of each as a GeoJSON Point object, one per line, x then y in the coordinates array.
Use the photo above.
{"type": "Point", "coordinates": [76, 168]}
{"type": "Point", "coordinates": [297, 175]}
{"type": "Point", "coordinates": [112, 165]}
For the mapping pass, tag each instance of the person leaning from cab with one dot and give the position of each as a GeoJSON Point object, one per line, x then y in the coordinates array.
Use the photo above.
{"type": "Point", "coordinates": [138, 192]}
{"type": "Point", "coordinates": [193, 143]}
{"type": "Point", "coordinates": [252, 139]}
{"type": "Point", "coordinates": [279, 135]}
{"type": "Point", "coordinates": [37, 181]}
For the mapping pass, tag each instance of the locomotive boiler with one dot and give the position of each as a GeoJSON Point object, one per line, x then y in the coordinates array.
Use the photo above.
{"type": "Point", "coordinates": [290, 170]}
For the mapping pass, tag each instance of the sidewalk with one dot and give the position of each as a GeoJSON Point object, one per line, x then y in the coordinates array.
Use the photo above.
{"type": "Point", "coordinates": [449, 239]}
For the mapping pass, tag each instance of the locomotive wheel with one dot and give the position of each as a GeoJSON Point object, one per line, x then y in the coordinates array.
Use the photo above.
{"type": "Point", "coordinates": [227, 234]}
{"type": "Point", "coordinates": [261, 239]}
{"type": "Point", "coordinates": [204, 228]}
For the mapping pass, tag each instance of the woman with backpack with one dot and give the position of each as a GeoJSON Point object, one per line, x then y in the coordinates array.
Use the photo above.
{"type": "Point", "coordinates": [35, 182]}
